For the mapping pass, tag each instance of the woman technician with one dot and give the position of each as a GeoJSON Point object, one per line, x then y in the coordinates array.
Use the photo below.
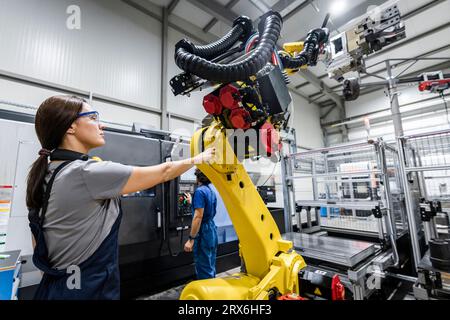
{"type": "Point", "coordinates": [74, 202]}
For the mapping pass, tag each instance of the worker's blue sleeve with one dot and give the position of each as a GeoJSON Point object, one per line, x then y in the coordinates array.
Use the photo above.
{"type": "Point", "coordinates": [199, 201]}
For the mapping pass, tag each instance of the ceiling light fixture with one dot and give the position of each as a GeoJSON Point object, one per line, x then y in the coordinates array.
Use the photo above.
{"type": "Point", "coordinates": [338, 7]}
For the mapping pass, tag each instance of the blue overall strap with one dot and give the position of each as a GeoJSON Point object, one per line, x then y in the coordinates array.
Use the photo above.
{"type": "Point", "coordinates": [33, 213]}
{"type": "Point", "coordinates": [40, 254]}
{"type": "Point", "coordinates": [48, 190]}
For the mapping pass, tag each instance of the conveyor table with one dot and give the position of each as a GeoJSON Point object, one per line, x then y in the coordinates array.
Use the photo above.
{"type": "Point", "coordinates": [334, 250]}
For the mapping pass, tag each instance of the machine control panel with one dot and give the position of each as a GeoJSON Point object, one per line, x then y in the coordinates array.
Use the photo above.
{"type": "Point", "coordinates": [184, 205]}
{"type": "Point", "coordinates": [268, 194]}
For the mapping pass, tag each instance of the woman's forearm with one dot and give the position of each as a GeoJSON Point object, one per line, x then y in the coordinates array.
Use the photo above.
{"type": "Point", "coordinates": [143, 178]}
{"type": "Point", "coordinates": [174, 169]}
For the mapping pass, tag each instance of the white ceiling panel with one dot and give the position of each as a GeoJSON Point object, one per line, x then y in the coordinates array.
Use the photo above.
{"type": "Point", "coordinates": [245, 7]}
{"type": "Point", "coordinates": [270, 3]}
{"type": "Point", "coordinates": [319, 69]}
{"type": "Point", "coordinates": [223, 2]}
{"type": "Point", "coordinates": [322, 100]}
{"type": "Point", "coordinates": [297, 26]}
{"type": "Point", "coordinates": [406, 6]}
{"type": "Point", "coordinates": [161, 3]}
{"type": "Point", "coordinates": [308, 90]}
{"type": "Point", "coordinates": [220, 29]}
{"type": "Point", "coordinates": [330, 82]}
{"type": "Point", "coordinates": [296, 80]}
{"type": "Point", "coordinates": [191, 13]}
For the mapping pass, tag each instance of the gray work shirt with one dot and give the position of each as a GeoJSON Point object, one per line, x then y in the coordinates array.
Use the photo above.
{"type": "Point", "coordinates": [83, 206]}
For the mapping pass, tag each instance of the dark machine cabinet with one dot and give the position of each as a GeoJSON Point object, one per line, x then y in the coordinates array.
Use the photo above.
{"type": "Point", "coordinates": [278, 216]}
{"type": "Point", "coordinates": [154, 226]}
{"type": "Point", "coordinates": [140, 210]}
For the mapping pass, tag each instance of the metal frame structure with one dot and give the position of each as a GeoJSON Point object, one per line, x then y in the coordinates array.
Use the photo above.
{"type": "Point", "coordinates": [427, 158]}
{"type": "Point", "coordinates": [407, 16]}
{"type": "Point", "coordinates": [336, 176]}
{"type": "Point", "coordinates": [323, 170]}
{"type": "Point", "coordinates": [418, 156]}
{"type": "Point", "coordinates": [392, 84]}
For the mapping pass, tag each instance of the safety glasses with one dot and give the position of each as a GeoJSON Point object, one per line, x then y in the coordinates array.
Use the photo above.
{"type": "Point", "coordinates": [93, 115]}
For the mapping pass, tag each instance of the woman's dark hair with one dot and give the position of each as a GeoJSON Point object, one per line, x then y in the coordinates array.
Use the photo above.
{"type": "Point", "coordinates": [201, 177]}
{"type": "Point", "coordinates": [53, 118]}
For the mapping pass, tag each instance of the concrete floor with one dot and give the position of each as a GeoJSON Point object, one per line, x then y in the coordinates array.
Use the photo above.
{"type": "Point", "coordinates": [174, 293]}
{"type": "Point", "coordinates": [400, 291]}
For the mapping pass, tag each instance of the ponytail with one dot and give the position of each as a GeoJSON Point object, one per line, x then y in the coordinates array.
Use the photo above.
{"type": "Point", "coordinates": [35, 182]}
{"type": "Point", "coordinates": [53, 118]}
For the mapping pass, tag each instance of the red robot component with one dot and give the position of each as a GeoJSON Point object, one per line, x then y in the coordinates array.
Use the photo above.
{"type": "Point", "coordinates": [270, 138]}
{"type": "Point", "coordinates": [230, 97]}
{"type": "Point", "coordinates": [290, 297]}
{"type": "Point", "coordinates": [435, 86]}
{"type": "Point", "coordinates": [239, 118]}
{"type": "Point", "coordinates": [212, 105]}
{"type": "Point", "coordinates": [337, 289]}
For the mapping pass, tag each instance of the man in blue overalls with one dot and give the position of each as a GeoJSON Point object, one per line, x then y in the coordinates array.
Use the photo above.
{"type": "Point", "coordinates": [203, 236]}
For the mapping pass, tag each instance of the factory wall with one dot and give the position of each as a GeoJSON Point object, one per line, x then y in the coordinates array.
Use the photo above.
{"type": "Point", "coordinates": [25, 98]}
{"type": "Point", "coordinates": [335, 114]}
{"type": "Point", "coordinates": [432, 116]}
{"type": "Point", "coordinates": [305, 120]}
{"type": "Point", "coordinates": [107, 55]}
{"type": "Point", "coordinates": [112, 55]}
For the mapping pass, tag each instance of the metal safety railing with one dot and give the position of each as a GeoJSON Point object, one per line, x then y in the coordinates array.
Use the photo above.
{"type": "Point", "coordinates": [348, 189]}
{"type": "Point", "coordinates": [427, 177]}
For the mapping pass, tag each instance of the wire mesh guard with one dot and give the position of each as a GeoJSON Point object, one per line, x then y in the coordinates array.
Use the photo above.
{"type": "Point", "coordinates": [428, 155]}
{"type": "Point", "coordinates": [346, 183]}
{"type": "Point", "coordinates": [396, 192]}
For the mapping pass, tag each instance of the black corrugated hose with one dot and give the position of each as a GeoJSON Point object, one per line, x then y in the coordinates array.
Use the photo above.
{"type": "Point", "coordinates": [242, 29]}
{"type": "Point", "coordinates": [310, 51]}
{"type": "Point", "coordinates": [201, 67]}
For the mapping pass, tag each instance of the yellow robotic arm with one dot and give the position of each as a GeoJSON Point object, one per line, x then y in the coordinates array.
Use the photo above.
{"type": "Point", "coordinates": [271, 265]}
{"type": "Point", "coordinates": [292, 49]}
{"type": "Point", "coordinates": [249, 95]}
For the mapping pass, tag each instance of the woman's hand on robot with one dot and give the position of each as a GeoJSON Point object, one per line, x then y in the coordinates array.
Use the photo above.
{"type": "Point", "coordinates": [206, 156]}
